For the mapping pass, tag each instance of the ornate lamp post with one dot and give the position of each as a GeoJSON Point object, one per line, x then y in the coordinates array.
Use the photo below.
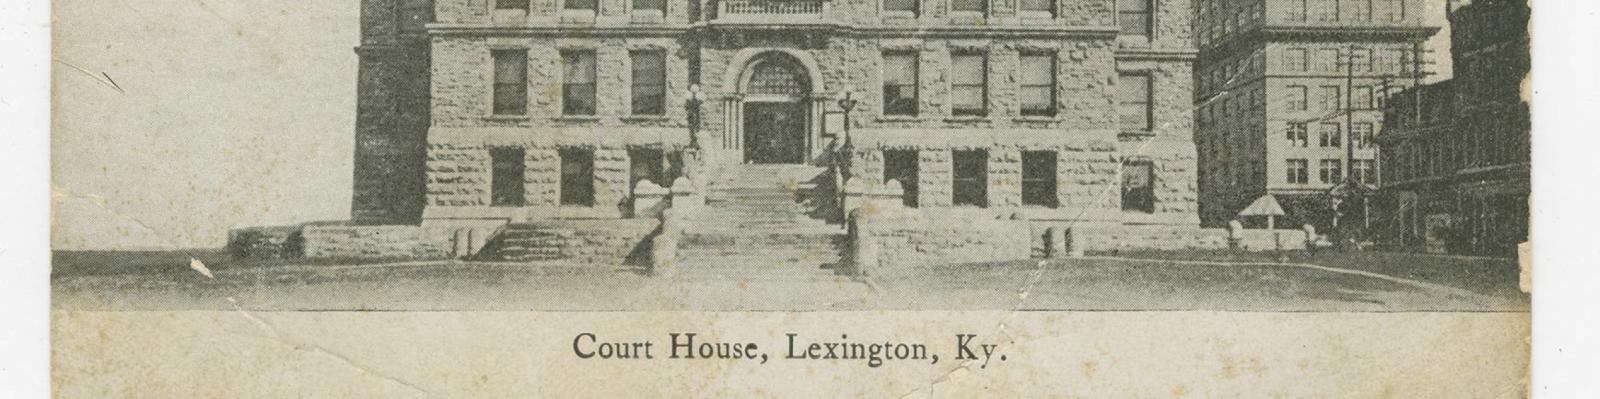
{"type": "Point", "coordinates": [694, 116]}
{"type": "Point", "coordinates": [846, 103]}
{"type": "Point", "coordinates": [846, 150]}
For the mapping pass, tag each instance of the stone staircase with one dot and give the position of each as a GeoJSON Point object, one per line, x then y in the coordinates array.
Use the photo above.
{"type": "Point", "coordinates": [758, 223]}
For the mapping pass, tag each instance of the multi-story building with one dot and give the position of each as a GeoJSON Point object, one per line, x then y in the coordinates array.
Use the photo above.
{"type": "Point", "coordinates": [1287, 100]}
{"type": "Point", "coordinates": [1456, 153]}
{"type": "Point", "coordinates": [513, 110]}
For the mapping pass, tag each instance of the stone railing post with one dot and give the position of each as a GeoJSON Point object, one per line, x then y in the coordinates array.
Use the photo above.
{"type": "Point", "coordinates": [1235, 234]}
{"type": "Point", "coordinates": [649, 199]}
{"type": "Point", "coordinates": [664, 247]}
{"type": "Point", "coordinates": [686, 196]}
{"type": "Point", "coordinates": [863, 254]}
{"type": "Point", "coordinates": [1076, 241]}
{"type": "Point", "coordinates": [1058, 242]}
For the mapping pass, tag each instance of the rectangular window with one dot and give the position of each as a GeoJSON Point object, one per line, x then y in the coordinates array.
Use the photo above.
{"type": "Point", "coordinates": [1326, 10]}
{"type": "Point", "coordinates": [1328, 60]}
{"type": "Point", "coordinates": [1401, 60]}
{"type": "Point", "coordinates": [649, 82]}
{"type": "Point", "coordinates": [969, 84]}
{"type": "Point", "coordinates": [1133, 17]}
{"type": "Point", "coordinates": [901, 166]}
{"type": "Point", "coordinates": [646, 164]}
{"type": "Point", "coordinates": [1361, 171]}
{"type": "Point", "coordinates": [1039, 6]}
{"type": "Point", "coordinates": [1295, 59]}
{"type": "Point", "coordinates": [578, 85]}
{"type": "Point", "coordinates": [510, 82]}
{"type": "Point", "coordinates": [1297, 98]}
{"type": "Point", "coordinates": [1133, 102]}
{"type": "Point", "coordinates": [969, 5]}
{"type": "Point", "coordinates": [1397, 10]}
{"type": "Point", "coordinates": [1328, 171]}
{"type": "Point", "coordinates": [1298, 171]}
{"type": "Point", "coordinates": [1362, 97]}
{"type": "Point", "coordinates": [907, 6]}
{"type": "Point", "coordinates": [900, 83]}
{"type": "Point", "coordinates": [1361, 134]}
{"type": "Point", "coordinates": [970, 185]}
{"type": "Point", "coordinates": [1361, 60]}
{"type": "Point", "coordinates": [577, 177]}
{"type": "Point", "coordinates": [1297, 10]}
{"type": "Point", "coordinates": [1361, 10]}
{"type": "Point", "coordinates": [1297, 135]}
{"type": "Point", "coordinates": [1328, 135]}
{"type": "Point", "coordinates": [511, 5]}
{"type": "Point", "coordinates": [1138, 186]}
{"type": "Point", "coordinates": [579, 4]}
{"type": "Point", "coordinates": [1039, 178]}
{"type": "Point", "coordinates": [1331, 99]}
{"type": "Point", "coordinates": [505, 179]}
{"type": "Point", "coordinates": [658, 5]}
{"type": "Point", "coordinates": [1038, 96]}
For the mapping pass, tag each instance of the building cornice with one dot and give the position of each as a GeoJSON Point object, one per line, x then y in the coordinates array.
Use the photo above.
{"type": "Point", "coordinates": [1150, 54]}
{"type": "Point", "coordinates": [1342, 33]}
{"type": "Point", "coordinates": [991, 31]}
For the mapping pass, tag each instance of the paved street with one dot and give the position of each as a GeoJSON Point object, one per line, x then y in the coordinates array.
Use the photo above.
{"type": "Point", "coordinates": [1145, 281]}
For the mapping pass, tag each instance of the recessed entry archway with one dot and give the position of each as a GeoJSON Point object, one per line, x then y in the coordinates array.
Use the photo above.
{"type": "Point", "coordinates": [775, 114]}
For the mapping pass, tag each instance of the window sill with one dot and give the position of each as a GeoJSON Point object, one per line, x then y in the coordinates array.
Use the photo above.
{"type": "Point", "coordinates": [1137, 133]}
{"type": "Point", "coordinates": [578, 118]}
{"type": "Point", "coordinates": [507, 118]}
{"type": "Point", "coordinates": [897, 118]}
{"type": "Point", "coordinates": [1035, 118]}
{"type": "Point", "coordinates": [967, 118]}
{"type": "Point", "coordinates": [645, 118]}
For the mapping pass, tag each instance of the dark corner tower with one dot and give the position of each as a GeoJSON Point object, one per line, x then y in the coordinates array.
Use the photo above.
{"type": "Point", "coordinates": [392, 112]}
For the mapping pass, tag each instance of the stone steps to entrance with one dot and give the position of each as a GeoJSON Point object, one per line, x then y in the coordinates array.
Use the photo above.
{"type": "Point", "coordinates": [757, 225]}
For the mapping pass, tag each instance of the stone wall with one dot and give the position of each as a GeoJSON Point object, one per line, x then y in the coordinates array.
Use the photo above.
{"type": "Point", "coordinates": [266, 242]}
{"type": "Point", "coordinates": [373, 242]}
{"type": "Point", "coordinates": [1139, 238]}
{"type": "Point", "coordinates": [908, 240]}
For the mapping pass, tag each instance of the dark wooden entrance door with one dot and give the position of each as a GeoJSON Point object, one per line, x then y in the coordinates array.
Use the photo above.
{"type": "Point", "coordinates": [774, 132]}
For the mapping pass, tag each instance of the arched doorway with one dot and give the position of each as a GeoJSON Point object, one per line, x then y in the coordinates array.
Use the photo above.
{"type": "Point", "coordinates": [776, 112]}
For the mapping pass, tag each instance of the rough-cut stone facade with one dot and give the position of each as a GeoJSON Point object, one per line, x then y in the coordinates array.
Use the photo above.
{"type": "Point", "coordinates": [428, 123]}
{"type": "Point", "coordinates": [445, 174]}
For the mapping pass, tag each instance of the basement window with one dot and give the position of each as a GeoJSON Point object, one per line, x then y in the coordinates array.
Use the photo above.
{"type": "Point", "coordinates": [577, 177]}
{"type": "Point", "coordinates": [971, 178]}
{"type": "Point", "coordinates": [1138, 187]}
{"type": "Point", "coordinates": [901, 165]}
{"type": "Point", "coordinates": [505, 181]}
{"type": "Point", "coordinates": [1039, 178]}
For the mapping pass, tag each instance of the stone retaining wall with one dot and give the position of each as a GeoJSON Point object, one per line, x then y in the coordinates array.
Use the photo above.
{"type": "Point", "coordinates": [265, 242]}
{"type": "Point", "coordinates": [909, 240]}
{"type": "Point", "coordinates": [1132, 238]}
{"type": "Point", "coordinates": [372, 242]}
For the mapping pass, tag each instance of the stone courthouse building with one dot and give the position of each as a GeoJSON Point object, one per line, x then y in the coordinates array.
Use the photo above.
{"type": "Point", "coordinates": [533, 129]}
{"type": "Point", "coordinates": [1288, 99]}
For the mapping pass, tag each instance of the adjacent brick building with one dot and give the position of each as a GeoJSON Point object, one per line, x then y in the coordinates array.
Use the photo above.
{"type": "Point", "coordinates": [484, 112]}
{"type": "Point", "coordinates": [1287, 99]}
{"type": "Point", "coordinates": [1456, 153]}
